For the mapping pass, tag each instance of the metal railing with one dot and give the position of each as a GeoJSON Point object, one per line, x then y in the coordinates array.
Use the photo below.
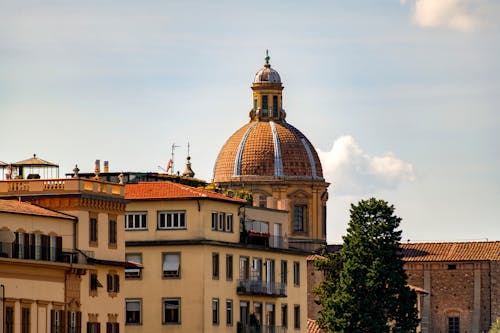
{"type": "Point", "coordinates": [241, 328]}
{"type": "Point", "coordinates": [271, 241]}
{"type": "Point", "coordinates": [259, 287]}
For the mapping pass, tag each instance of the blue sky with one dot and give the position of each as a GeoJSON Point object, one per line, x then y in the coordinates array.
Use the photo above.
{"type": "Point", "coordinates": [400, 98]}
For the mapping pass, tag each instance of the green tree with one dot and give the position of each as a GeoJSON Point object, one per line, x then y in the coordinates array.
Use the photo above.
{"type": "Point", "coordinates": [365, 289]}
{"type": "Point", "coordinates": [495, 328]}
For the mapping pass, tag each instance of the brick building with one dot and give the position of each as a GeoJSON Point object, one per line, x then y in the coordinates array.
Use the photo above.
{"type": "Point", "coordinates": [463, 284]}
{"type": "Point", "coordinates": [458, 283]}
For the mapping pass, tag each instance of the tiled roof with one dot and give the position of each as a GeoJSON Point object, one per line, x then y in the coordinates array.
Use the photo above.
{"type": "Point", "coordinates": [169, 190]}
{"type": "Point", "coordinates": [452, 251]}
{"type": "Point", "coordinates": [35, 161]}
{"type": "Point", "coordinates": [313, 327]}
{"type": "Point", "coordinates": [313, 257]}
{"type": "Point", "coordinates": [19, 207]}
{"type": "Point", "coordinates": [263, 148]}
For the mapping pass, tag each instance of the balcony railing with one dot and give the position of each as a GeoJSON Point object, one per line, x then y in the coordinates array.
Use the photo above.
{"type": "Point", "coordinates": [262, 288]}
{"type": "Point", "coordinates": [260, 329]}
{"type": "Point", "coordinates": [41, 253]}
{"type": "Point", "coordinates": [24, 186]}
{"type": "Point", "coordinates": [271, 241]}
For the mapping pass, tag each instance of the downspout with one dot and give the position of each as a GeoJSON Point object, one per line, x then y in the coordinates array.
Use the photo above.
{"type": "Point", "coordinates": [3, 307]}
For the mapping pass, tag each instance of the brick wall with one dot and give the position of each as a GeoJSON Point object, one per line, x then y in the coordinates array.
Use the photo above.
{"type": "Point", "coordinates": [314, 278]}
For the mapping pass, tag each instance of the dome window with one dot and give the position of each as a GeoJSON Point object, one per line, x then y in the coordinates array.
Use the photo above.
{"type": "Point", "coordinates": [275, 106]}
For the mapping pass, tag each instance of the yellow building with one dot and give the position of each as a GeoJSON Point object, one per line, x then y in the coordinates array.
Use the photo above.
{"type": "Point", "coordinates": [275, 161]}
{"type": "Point", "coordinates": [40, 281]}
{"type": "Point", "coordinates": [98, 209]}
{"type": "Point", "coordinates": [210, 264]}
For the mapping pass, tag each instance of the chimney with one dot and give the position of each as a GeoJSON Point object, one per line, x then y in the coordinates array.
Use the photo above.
{"type": "Point", "coordinates": [106, 166]}
{"type": "Point", "coordinates": [97, 168]}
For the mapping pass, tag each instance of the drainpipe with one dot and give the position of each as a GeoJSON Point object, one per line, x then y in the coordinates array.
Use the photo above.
{"type": "Point", "coordinates": [3, 307]}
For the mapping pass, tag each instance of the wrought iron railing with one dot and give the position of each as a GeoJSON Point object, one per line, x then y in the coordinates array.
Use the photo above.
{"type": "Point", "coordinates": [258, 287]}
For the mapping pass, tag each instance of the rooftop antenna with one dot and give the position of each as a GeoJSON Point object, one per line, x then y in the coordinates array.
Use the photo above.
{"type": "Point", "coordinates": [171, 162]}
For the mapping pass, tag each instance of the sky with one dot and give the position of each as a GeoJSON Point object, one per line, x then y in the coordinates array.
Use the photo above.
{"type": "Point", "coordinates": [399, 98]}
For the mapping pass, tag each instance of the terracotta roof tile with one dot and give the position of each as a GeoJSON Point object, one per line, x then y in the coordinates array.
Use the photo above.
{"type": "Point", "coordinates": [452, 251]}
{"type": "Point", "coordinates": [313, 327]}
{"type": "Point", "coordinates": [19, 207]}
{"type": "Point", "coordinates": [169, 190]}
{"type": "Point", "coordinates": [258, 156]}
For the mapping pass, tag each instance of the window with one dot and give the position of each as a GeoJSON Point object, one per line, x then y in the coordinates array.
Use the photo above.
{"type": "Point", "coordinates": [171, 265]}
{"type": "Point", "coordinates": [93, 230]}
{"type": "Point", "coordinates": [229, 223]}
{"type": "Point", "coordinates": [112, 327]}
{"type": "Point", "coordinates": [229, 267]}
{"type": "Point", "coordinates": [296, 317]}
{"type": "Point", "coordinates": [9, 319]}
{"type": "Point", "coordinates": [25, 320]}
{"type": "Point", "coordinates": [38, 246]}
{"type": "Point", "coordinates": [215, 217]}
{"type": "Point", "coordinates": [256, 269]}
{"type": "Point", "coordinates": [452, 267]}
{"type": "Point", "coordinates": [94, 283]}
{"type": "Point", "coordinates": [172, 220]}
{"type": "Point", "coordinates": [284, 271]}
{"type": "Point", "coordinates": [133, 273]}
{"type": "Point", "coordinates": [275, 106]}
{"type": "Point", "coordinates": [133, 311]}
{"type": "Point", "coordinates": [215, 266]}
{"type": "Point", "coordinates": [453, 325]}
{"type": "Point", "coordinates": [323, 222]}
{"type": "Point", "coordinates": [74, 322]}
{"type": "Point", "coordinates": [56, 321]}
{"type": "Point", "coordinates": [296, 273]}
{"type": "Point", "coordinates": [262, 201]}
{"type": "Point", "coordinates": [113, 284]}
{"type": "Point", "coordinates": [53, 254]}
{"type": "Point", "coordinates": [255, 104]}
{"type": "Point", "coordinates": [172, 311]}
{"type": "Point", "coordinates": [244, 268]}
{"type": "Point", "coordinates": [229, 312]}
{"type": "Point", "coordinates": [298, 218]}
{"type": "Point", "coordinates": [284, 315]}
{"type": "Point", "coordinates": [93, 327]}
{"type": "Point", "coordinates": [215, 311]}
{"type": "Point", "coordinates": [20, 245]}
{"type": "Point", "coordinates": [112, 232]}
{"type": "Point", "coordinates": [136, 221]}
{"type": "Point", "coordinates": [265, 104]}
{"type": "Point", "coordinates": [222, 217]}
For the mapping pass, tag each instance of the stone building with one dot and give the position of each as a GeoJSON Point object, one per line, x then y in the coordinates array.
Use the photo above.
{"type": "Point", "coordinates": [462, 280]}
{"type": "Point", "coordinates": [458, 284]}
{"type": "Point", "coordinates": [275, 161]}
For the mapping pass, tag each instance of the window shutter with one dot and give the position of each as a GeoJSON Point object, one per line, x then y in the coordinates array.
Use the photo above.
{"type": "Point", "coordinates": [78, 322]}
{"type": "Point", "coordinates": [117, 282]}
{"type": "Point", "coordinates": [62, 321]}
{"type": "Point", "coordinates": [110, 281]}
{"type": "Point", "coordinates": [27, 246]}
{"type": "Point", "coordinates": [15, 247]}
{"type": "Point", "coordinates": [58, 248]}
{"type": "Point", "coordinates": [98, 327]}
{"type": "Point", "coordinates": [108, 328]}
{"type": "Point", "coordinates": [117, 325]}
{"type": "Point", "coordinates": [68, 320]}
{"type": "Point", "coordinates": [32, 246]}
{"type": "Point", "coordinates": [52, 320]}
{"type": "Point", "coordinates": [89, 327]}
{"type": "Point", "coordinates": [45, 247]}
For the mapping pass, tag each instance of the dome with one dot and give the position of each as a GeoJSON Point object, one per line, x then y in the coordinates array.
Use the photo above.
{"type": "Point", "coordinates": [267, 150]}
{"type": "Point", "coordinates": [267, 75]}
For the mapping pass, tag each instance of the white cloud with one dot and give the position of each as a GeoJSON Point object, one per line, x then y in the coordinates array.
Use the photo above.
{"type": "Point", "coordinates": [462, 15]}
{"type": "Point", "coordinates": [354, 172]}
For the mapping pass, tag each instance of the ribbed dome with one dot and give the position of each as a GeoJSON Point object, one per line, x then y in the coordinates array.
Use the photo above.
{"type": "Point", "coordinates": [267, 75]}
{"type": "Point", "coordinates": [265, 149]}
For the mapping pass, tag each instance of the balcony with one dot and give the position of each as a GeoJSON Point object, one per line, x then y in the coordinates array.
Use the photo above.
{"type": "Point", "coordinates": [59, 186]}
{"type": "Point", "coordinates": [241, 328]}
{"type": "Point", "coordinates": [261, 288]}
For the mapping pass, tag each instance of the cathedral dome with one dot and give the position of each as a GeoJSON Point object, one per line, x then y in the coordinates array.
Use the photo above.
{"type": "Point", "coordinates": [266, 150]}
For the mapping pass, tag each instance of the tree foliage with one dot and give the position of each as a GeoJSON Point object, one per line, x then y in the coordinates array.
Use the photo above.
{"type": "Point", "coordinates": [365, 289]}
{"type": "Point", "coordinates": [495, 328]}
